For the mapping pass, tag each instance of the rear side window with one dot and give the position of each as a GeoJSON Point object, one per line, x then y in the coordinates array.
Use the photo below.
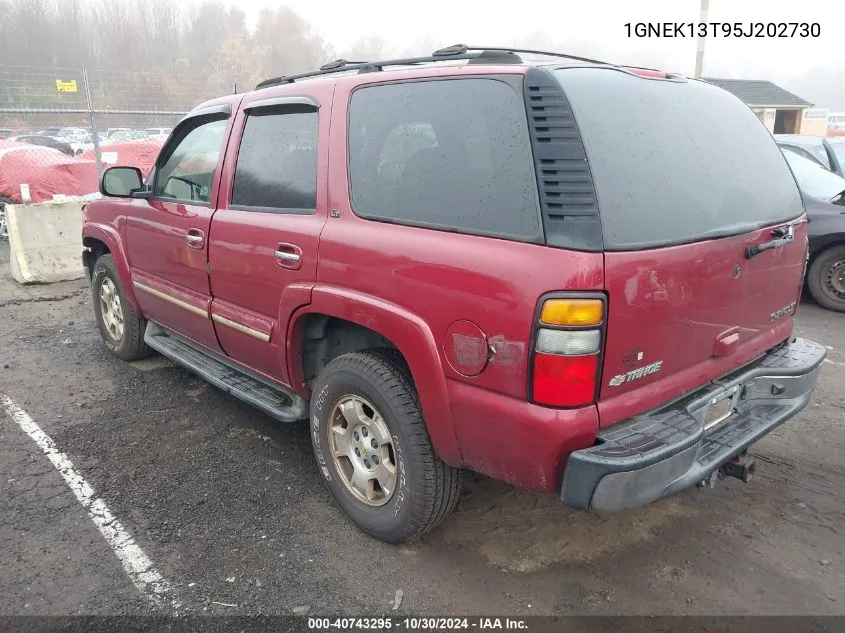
{"type": "Point", "coordinates": [444, 154]}
{"type": "Point", "coordinates": [277, 161]}
{"type": "Point", "coordinates": [839, 150]}
{"type": "Point", "coordinates": [813, 179]}
{"type": "Point", "coordinates": [804, 153]}
{"type": "Point", "coordinates": [676, 162]}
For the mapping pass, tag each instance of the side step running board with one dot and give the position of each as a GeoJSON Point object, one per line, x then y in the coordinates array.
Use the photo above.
{"type": "Point", "coordinates": [223, 374]}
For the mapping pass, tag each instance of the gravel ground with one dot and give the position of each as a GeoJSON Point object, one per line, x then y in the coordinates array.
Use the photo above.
{"type": "Point", "coordinates": [229, 506]}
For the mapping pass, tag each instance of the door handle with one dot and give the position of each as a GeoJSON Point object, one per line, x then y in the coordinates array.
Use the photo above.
{"type": "Point", "coordinates": [195, 238]}
{"type": "Point", "coordinates": [288, 255]}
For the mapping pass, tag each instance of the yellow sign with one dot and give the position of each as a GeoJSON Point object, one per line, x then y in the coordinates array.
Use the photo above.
{"type": "Point", "coordinates": [66, 86]}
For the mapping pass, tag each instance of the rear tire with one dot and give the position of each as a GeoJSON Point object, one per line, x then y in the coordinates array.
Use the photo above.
{"type": "Point", "coordinates": [366, 419]}
{"type": "Point", "coordinates": [120, 326]}
{"type": "Point", "coordinates": [826, 278]}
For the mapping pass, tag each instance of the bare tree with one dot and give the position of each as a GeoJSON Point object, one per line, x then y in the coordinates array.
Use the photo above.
{"type": "Point", "coordinates": [284, 43]}
{"type": "Point", "coordinates": [365, 49]}
{"type": "Point", "coordinates": [147, 53]}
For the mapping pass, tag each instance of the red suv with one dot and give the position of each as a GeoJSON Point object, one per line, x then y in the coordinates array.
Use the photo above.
{"type": "Point", "coordinates": [576, 277]}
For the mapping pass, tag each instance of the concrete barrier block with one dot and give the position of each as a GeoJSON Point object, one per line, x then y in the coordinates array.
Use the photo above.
{"type": "Point", "coordinates": [45, 241]}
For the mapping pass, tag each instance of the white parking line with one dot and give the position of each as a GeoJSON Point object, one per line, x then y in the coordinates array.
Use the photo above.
{"type": "Point", "coordinates": [136, 563]}
{"type": "Point", "coordinates": [833, 362]}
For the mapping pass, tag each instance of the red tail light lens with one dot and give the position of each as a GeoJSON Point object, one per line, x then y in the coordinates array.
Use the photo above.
{"type": "Point", "coordinates": [567, 348]}
{"type": "Point", "coordinates": [565, 381]}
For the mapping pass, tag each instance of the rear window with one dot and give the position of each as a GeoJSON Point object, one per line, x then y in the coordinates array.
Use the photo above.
{"type": "Point", "coordinates": [444, 154]}
{"type": "Point", "coordinates": [676, 162]}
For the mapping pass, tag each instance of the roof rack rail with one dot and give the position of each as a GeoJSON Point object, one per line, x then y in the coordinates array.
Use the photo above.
{"type": "Point", "coordinates": [530, 51]}
{"type": "Point", "coordinates": [474, 54]}
{"type": "Point", "coordinates": [337, 64]}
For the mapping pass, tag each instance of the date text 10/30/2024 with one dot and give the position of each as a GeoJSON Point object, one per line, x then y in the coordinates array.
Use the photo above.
{"type": "Point", "coordinates": [417, 624]}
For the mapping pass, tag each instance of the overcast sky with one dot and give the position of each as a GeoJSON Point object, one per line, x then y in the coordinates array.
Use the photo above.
{"type": "Point", "coordinates": [814, 68]}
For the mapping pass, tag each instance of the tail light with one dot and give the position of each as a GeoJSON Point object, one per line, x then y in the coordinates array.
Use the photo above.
{"type": "Point", "coordinates": [568, 338]}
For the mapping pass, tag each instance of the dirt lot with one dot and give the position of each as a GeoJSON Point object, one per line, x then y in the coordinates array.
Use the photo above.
{"type": "Point", "coordinates": [230, 508]}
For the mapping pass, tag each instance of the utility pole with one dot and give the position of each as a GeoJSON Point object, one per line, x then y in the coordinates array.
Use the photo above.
{"type": "Point", "coordinates": [93, 122]}
{"type": "Point", "coordinates": [699, 53]}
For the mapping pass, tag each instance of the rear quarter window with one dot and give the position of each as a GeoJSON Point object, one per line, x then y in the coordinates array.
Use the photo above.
{"type": "Point", "coordinates": [444, 154]}
{"type": "Point", "coordinates": [676, 161]}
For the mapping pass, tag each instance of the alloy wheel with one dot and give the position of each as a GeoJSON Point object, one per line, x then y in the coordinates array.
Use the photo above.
{"type": "Point", "coordinates": [363, 451]}
{"type": "Point", "coordinates": [111, 310]}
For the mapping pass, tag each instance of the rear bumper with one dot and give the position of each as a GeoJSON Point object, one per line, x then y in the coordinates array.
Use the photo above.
{"type": "Point", "coordinates": [665, 451]}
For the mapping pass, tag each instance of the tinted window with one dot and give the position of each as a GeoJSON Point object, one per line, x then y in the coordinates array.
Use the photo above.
{"type": "Point", "coordinates": [189, 162]}
{"type": "Point", "coordinates": [800, 151]}
{"type": "Point", "coordinates": [451, 154]}
{"type": "Point", "coordinates": [813, 179]}
{"type": "Point", "coordinates": [839, 150]}
{"type": "Point", "coordinates": [277, 161]}
{"type": "Point", "coordinates": [676, 162]}
{"type": "Point", "coordinates": [813, 145]}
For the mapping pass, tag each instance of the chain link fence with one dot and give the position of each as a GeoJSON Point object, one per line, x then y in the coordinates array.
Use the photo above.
{"type": "Point", "coordinates": [61, 127]}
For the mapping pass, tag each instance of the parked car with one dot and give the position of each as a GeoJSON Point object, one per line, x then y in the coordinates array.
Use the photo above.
{"type": "Point", "coordinates": [498, 299]}
{"type": "Point", "coordinates": [159, 132]}
{"type": "Point", "coordinates": [114, 130]}
{"type": "Point", "coordinates": [125, 135]}
{"type": "Point", "coordinates": [824, 198]}
{"type": "Point", "coordinates": [68, 132]}
{"type": "Point", "coordinates": [141, 154]}
{"type": "Point", "coordinates": [815, 148]}
{"type": "Point", "coordinates": [45, 141]}
{"type": "Point", "coordinates": [837, 144]}
{"type": "Point", "coordinates": [47, 171]}
{"type": "Point", "coordinates": [836, 121]}
{"type": "Point", "coordinates": [50, 131]}
{"type": "Point", "coordinates": [79, 141]}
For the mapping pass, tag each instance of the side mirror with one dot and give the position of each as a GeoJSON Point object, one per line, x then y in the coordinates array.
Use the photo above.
{"type": "Point", "coordinates": [121, 182]}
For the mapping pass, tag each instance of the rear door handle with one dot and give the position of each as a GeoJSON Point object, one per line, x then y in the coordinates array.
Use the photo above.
{"type": "Point", "coordinates": [288, 255]}
{"type": "Point", "coordinates": [195, 238]}
{"type": "Point", "coordinates": [782, 235]}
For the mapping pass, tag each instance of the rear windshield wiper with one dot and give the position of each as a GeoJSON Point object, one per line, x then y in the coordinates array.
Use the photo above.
{"type": "Point", "coordinates": [783, 235]}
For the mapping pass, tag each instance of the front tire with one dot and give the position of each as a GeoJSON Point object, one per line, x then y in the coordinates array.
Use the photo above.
{"type": "Point", "coordinates": [373, 448]}
{"type": "Point", "coordinates": [120, 326]}
{"type": "Point", "coordinates": [826, 278]}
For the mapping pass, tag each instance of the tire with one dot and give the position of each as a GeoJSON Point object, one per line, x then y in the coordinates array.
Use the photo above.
{"type": "Point", "coordinates": [127, 342]}
{"type": "Point", "coordinates": [826, 278]}
{"type": "Point", "coordinates": [425, 489]}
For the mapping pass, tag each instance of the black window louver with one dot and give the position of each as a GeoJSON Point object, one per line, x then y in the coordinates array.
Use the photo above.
{"type": "Point", "coordinates": [565, 184]}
